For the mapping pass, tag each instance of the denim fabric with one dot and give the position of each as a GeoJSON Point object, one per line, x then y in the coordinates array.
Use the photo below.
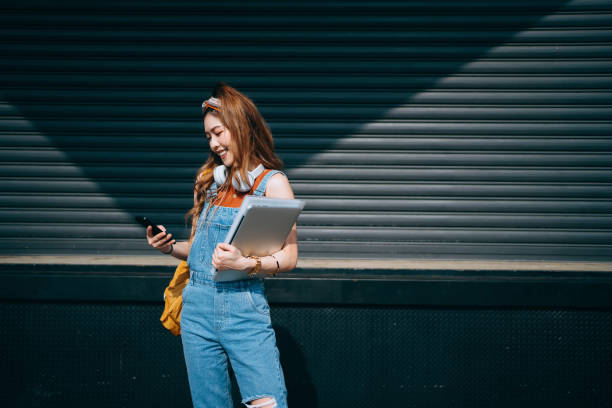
{"type": "Point", "coordinates": [224, 321]}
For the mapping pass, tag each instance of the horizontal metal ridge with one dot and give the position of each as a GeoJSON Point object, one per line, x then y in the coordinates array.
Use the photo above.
{"type": "Point", "coordinates": [289, 20]}
{"type": "Point", "coordinates": [305, 81]}
{"type": "Point", "coordinates": [241, 35]}
{"type": "Point", "coordinates": [325, 218]}
{"type": "Point", "coordinates": [401, 110]}
{"type": "Point", "coordinates": [350, 143]}
{"type": "Point", "coordinates": [68, 263]}
{"type": "Point", "coordinates": [304, 189]}
{"type": "Point", "coordinates": [341, 233]}
{"type": "Point", "coordinates": [337, 249]}
{"type": "Point", "coordinates": [356, 98]}
{"type": "Point", "coordinates": [343, 7]}
{"type": "Point", "coordinates": [307, 65]}
{"type": "Point", "coordinates": [384, 218]}
{"type": "Point", "coordinates": [191, 128]}
{"type": "Point", "coordinates": [158, 201]}
{"type": "Point", "coordinates": [541, 159]}
{"type": "Point", "coordinates": [186, 173]}
{"type": "Point", "coordinates": [327, 51]}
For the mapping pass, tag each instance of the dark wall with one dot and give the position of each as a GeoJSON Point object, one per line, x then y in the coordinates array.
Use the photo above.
{"type": "Point", "coordinates": [435, 129]}
{"type": "Point", "coordinates": [118, 355]}
{"type": "Point", "coordinates": [416, 339]}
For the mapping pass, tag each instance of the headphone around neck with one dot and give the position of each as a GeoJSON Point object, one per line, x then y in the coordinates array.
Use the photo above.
{"type": "Point", "coordinates": [220, 175]}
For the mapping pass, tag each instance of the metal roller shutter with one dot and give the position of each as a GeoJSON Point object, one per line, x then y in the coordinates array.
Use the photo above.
{"type": "Point", "coordinates": [469, 129]}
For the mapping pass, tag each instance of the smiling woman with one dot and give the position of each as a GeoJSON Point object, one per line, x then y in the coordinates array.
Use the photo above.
{"type": "Point", "coordinates": [219, 139]}
{"type": "Point", "coordinates": [416, 131]}
{"type": "Point", "coordinates": [241, 162]}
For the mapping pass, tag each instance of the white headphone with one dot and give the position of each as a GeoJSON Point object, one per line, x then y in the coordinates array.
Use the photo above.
{"type": "Point", "coordinates": [220, 175]}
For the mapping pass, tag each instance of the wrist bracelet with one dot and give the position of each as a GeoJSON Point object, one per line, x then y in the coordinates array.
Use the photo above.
{"type": "Point", "coordinates": [277, 265]}
{"type": "Point", "coordinates": [169, 252]}
{"type": "Point", "coordinates": [253, 272]}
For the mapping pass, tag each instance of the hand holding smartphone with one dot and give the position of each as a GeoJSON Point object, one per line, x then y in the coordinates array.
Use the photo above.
{"type": "Point", "coordinates": [146, 223]}
{"type": "Point", "coordinates": [165, 241]}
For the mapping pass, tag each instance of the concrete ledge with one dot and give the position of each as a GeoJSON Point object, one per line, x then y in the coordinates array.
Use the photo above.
{"type": "Point", "coordinates": [435, 283]}
{"type": "Point", "coordinates": [331, 264]}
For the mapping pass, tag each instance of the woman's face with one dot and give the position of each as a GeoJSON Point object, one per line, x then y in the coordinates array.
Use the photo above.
{"type": "Point", "coordinates": [219, 138]}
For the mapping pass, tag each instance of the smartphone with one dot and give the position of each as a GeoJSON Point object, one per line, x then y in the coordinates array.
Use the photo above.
{"type": "Point", "coordinates": [146, 222]}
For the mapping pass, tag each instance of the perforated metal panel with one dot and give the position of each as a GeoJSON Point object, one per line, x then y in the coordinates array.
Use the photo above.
{"type": "Point", "coordinates": [103, 355]}
{"type": "Point", "coordinates": [450, 358]}
{"type": "Point", "coordinates": [118, 355]}
{"type": "Point", "coordinates": [412, 129]}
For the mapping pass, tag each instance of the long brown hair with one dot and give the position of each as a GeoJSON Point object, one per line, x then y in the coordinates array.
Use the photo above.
{"type": "Point", "coordinates": [251, 144]}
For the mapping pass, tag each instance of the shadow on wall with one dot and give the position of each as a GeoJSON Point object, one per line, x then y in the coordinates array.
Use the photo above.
{"type": "Point", "coordinates": [105, 98]}
{"type": "Point", "coordinates": [300, 387]}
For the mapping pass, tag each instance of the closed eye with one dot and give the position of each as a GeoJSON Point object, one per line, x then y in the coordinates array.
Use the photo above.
{"type": "Point", "coordinates": [217, 130]}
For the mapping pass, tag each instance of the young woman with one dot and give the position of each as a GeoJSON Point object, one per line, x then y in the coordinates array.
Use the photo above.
{"type": "Point", "coordinates": [224, 321]}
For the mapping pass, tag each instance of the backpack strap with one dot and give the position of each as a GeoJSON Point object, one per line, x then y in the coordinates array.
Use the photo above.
{"type": "Point", "coordinates": [261, 188]}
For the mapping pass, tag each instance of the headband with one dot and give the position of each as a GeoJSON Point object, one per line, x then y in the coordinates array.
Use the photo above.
{"type": "Point", "coordinates": [212, 103]}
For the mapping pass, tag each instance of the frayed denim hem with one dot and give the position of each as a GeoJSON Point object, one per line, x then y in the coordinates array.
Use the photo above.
{"type": "Point", "coordinates": [267, 404]}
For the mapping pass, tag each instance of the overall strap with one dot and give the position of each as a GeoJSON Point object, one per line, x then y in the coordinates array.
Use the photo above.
{"type": "Point", "coordinates": [261, 188]}
{"type": "Point", "coordinates": [211, 192]}
{"type": "Point", "coordinates": [213, 188]}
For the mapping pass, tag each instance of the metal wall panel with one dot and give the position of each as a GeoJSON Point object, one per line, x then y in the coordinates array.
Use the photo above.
{"type": "Point", "coordinates": [412, 129]}
{"type": "Point", "coordinates": [67, 354]}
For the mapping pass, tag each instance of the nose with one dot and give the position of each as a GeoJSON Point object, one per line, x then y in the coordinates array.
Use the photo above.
{"type": "Point", "coordinates": [213, 143]}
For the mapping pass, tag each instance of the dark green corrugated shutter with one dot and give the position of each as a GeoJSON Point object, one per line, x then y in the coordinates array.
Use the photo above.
{"type": "Point", "coordinates": [413, 129]}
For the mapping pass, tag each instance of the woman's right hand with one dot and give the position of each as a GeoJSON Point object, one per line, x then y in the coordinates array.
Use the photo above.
{"type": "Point", "coordinates": [161, 241]}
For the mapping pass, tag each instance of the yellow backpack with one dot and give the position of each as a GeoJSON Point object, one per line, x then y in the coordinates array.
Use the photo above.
{"type": "Point", "coordinates": [173, 297]}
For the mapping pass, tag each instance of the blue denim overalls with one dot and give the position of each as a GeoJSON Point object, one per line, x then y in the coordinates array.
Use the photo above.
{"type": "Point", "coordinates": [227, 320]}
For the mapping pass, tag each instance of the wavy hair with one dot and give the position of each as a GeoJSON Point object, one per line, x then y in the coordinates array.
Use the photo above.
{"type": "Point", "coordinates": [251, 144]}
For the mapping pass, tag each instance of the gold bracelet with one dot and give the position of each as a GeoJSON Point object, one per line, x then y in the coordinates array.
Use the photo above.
{"type": "Point", "coordinates": [277, 265]}
{"type": "Point", "coordinates": [253, 272]}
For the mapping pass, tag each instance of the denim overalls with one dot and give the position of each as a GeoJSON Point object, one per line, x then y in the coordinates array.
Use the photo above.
{"type": "Point", "coordinates": [227, 320]}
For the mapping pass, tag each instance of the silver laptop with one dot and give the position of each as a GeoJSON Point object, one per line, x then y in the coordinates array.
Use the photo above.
{"type": "Point", "coordinates": [260, 228]}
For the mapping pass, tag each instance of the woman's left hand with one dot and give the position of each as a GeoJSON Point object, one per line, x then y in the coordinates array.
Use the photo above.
{"type": "Point", "coordinates": [227, 257]}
